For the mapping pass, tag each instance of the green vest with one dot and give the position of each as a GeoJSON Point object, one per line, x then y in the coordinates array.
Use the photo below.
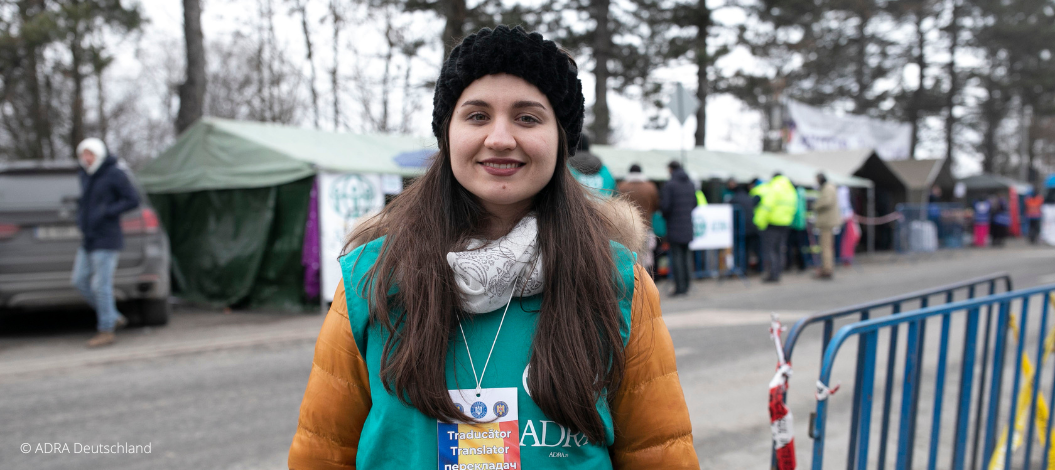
{"type": "Point", "coordinates": [396, 434]}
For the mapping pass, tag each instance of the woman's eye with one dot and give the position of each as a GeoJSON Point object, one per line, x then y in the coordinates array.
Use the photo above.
{"type": "Point", "coordinates": [529, 119]}
{"type": "Point", "coordinates": [477, 117]}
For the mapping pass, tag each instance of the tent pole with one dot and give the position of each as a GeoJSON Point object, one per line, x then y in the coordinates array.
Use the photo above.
{"type": "Point", "coordinates": [871, 214]}
{"type": "Point", "coordinates": [323, 308]}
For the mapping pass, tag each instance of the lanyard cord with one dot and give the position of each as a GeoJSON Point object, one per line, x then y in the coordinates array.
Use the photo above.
{"type": "Point", "coordinates": [480, 378]}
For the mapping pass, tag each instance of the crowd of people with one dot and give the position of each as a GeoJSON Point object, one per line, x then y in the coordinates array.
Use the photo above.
{"type": "Point", "coordinates": [776, 232]}
{"type": "Point", "coordinates": [788, 226]}
{"type": "Point", "coordinates": [987, 220]}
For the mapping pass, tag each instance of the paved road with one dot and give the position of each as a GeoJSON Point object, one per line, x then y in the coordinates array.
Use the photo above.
{"type": "Point", "coordinates": [222, 391]}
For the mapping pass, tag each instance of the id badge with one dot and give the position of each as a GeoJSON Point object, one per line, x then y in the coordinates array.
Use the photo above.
{"type": "Point", "coordinates": [492, 444]}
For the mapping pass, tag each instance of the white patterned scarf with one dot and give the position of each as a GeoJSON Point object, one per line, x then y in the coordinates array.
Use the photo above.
{"type": "Point", "coordinates": [486, 271]}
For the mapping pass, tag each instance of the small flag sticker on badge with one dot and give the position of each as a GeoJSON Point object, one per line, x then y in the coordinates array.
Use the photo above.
{"type": "Point", "coordinates": [496, 440]}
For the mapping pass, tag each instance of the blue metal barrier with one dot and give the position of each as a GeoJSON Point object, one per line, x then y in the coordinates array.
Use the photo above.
{"type": "Point", "coordinates": [985, 285]}
{"type": "Point", "coordinates": [993, 341]}
{"type": "Point", "coordinates": [947, 293]}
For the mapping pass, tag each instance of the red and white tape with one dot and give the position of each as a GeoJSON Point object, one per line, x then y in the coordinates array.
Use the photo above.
{"type": "Point", "coordinates": [781, 421]}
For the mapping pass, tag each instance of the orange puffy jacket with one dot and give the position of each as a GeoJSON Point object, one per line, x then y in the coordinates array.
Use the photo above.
{"type": "Point", "coordinates": [652, 428]}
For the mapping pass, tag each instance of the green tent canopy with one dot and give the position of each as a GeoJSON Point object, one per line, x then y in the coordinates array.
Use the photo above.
{"type": "Point", "coordinates": [223, 154]}
{"type": "Point", "coordinates": [234, 198]}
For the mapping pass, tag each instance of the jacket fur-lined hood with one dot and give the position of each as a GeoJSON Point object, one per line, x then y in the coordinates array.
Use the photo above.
{"type": "Point", "coordinates": [628, 224]}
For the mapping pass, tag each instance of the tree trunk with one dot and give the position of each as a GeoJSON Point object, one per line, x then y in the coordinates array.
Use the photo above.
{"type": "Point", "coordinates": [272, 55]}
{"type": "Point", "coordinates": [992, 117]}
{"type": "Point", "coordinates": [602, 51]}
{"type": "Point", "coordinates": [303, 7]}
{"type": "Point", "coordinates": [1028, 136]}
{"type": "Point", "coordinates": [192, 90]}
{"type": "Point", "coordinates": [77, 111]}
{"type": "Point", "coordinates": [46, 99]}
{"type": "Point", "coordinates": [262, 78]}
{"type": "Point", "coordinates": [917, 96]}
{"type": "Point", "coordinates": [38, 111]}
{"type": "Point", "coordinates": [41, 128]}
{"type": "Point", "coordinates": [453, 32]}
{"type": "Point", "coordinates": [703, 64]}
{"type": "Point", "coordinates": [950, 97]}
{"type": "Point", "coordinates": [334, 82]}
{"type": "Point", "coordinates": [860, 75]}
{"type": "Point", "coordinates": [100, 90]}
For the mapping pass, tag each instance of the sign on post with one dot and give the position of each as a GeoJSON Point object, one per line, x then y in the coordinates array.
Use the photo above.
{"type": "Point", "coordinates": [683, 104]}
{"type": "Point", "coordinates": [344, 200]}
{"type": "Point", "coordinates": [712, 227]}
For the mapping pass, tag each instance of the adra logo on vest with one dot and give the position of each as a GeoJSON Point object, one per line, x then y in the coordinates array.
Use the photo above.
{"type": "Point", "coordinates": [550, 434]}
{"type": "Point", "coordinates": [545, 434]}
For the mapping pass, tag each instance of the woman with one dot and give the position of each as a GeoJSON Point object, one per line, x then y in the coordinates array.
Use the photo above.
{"type": "Point", "coordinates": [488, 321]}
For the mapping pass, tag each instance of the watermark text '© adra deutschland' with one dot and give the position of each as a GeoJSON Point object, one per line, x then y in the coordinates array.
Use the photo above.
{"type": "Point", "coordinates": [81, 448]}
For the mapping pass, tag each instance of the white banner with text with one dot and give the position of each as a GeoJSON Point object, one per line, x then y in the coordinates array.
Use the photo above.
{"type": "Point", "coordinates": [712, 227]}
{"type": "Point", "coordinates": [344, 200]}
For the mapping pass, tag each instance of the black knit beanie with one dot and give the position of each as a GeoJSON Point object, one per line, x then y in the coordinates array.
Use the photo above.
{"type": "Point", "coordinates": [516, 52]}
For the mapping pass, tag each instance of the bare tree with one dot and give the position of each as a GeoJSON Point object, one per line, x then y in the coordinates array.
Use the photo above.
{"type": "Point", "coordinates": [301, 7]}
{"type": "Point", "coordinates": [376, 96]}
{"type": "Point", "coordinates": [602, 52]}
{"type": "Point", "coordinates": [192, 90]}
{"type": "Point", "coordinates": [337, 19]}
{"type": "Point", "coordinates": [953, 30]}
{"type": "Point", "coordinates": [236, 89]}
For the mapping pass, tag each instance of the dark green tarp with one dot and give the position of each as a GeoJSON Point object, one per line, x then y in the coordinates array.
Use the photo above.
{"type": "Point", "coordinates": [233, 197]}
{"type": "Point", "coordinates": [218, 254]}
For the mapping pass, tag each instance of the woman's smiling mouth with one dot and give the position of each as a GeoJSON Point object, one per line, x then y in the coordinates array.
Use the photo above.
{"type": "Point", "coordinates": [501, 167]}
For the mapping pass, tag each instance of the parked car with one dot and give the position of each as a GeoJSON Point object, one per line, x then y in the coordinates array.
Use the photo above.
{"type": "Point", "coordinates": [39, 239]}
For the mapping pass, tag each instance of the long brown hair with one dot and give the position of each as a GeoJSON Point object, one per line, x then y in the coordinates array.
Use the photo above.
{"type": "Point", "coordinates": [577, 352]}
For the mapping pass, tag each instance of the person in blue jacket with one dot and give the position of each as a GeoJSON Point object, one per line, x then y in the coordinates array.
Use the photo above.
{"type": "Point", "coordinates": [106, 193]}
{"type": "Point", "coordinates": [677, 199]}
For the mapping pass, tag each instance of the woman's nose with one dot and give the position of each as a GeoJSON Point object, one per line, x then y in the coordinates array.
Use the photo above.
{"type": "Point", "coordinates": [501, 138]}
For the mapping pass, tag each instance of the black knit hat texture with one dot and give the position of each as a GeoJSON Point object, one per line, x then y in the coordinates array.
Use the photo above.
{"type": "Point", "coordinates": [514, 51]}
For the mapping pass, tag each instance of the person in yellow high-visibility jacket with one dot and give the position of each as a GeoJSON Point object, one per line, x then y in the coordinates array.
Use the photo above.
{"type": "Point", "coordinates": [778, 201]}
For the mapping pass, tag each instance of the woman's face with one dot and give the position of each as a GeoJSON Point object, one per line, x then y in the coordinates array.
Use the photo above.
{"type": "Point", "coordinates": [503, 141]}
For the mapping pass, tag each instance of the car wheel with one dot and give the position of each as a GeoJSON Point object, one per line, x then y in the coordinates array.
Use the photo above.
{"type": "Point", "coordinates": [154, 312]}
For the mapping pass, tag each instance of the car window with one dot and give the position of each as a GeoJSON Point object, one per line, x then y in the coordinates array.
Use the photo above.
{"type": "Point", "coordinates": [38, 191]}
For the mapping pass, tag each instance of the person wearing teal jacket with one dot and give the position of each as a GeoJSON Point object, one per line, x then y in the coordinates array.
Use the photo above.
{"type": "Point", "coordinates": [590, 171]}
{"type": "Point", "coordinates": [494, 315]}
{"type": "Point", "coordinates": [778, 202]}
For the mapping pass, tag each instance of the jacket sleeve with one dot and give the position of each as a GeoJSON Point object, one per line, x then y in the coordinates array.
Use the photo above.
{"type": "Point", "coordinates": [827, 200]}
{"type": "Point", "coordinates": [337, 398]}
{"type": "Point", "coordinates": [127, 197]}
{"type": "Point", "coordinates": [652, 427]}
